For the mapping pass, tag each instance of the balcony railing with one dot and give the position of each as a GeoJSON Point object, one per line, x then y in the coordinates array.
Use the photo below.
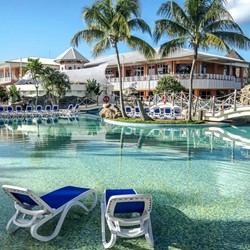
{"type": "Point", "coordinates": [9, 79]}
{"type": "Point", "coordinates": [201, 81]}
{"type": "Point", "coordinates": [177, 76]}
{"type": "Point", "coordinates": [5, 79]}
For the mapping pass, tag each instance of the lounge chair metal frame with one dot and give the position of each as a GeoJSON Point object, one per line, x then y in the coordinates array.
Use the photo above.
{"type": "Point", "coordinates": [25, 217]}
{"type": "Point", "coordinates": [138, 226]}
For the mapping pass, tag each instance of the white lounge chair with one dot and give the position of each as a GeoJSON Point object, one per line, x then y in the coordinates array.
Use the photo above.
{"type": "Point", "coordinates": [167, 112]}
{"type": "Point", "coordinates": [66, 113]}
{"type": "Point", "coordinates": [32, 211]}
{"type": "Point", "coordinates": [29, 111]}
{"type": "Point", "coordinates": [156, 112]}
{"type": "Point", "coordinates": [55, 108]}
{"type": "Point", "coordinates": [129, 111]}
{"type": "Point", "coordinates": [127, 214]}
{"type": "Point", "coordinates": [177, 113]}
{"type": "Point", "coordinates": [137, 112]}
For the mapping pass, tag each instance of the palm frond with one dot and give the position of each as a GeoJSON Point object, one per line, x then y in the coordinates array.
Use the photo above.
{"type": "Point", "coordinates": [169, 28]}
{"type": "Point", "coordinates": [139, 44]}
{"type": "Point", "coordinates": [128, 8]}
{"type": "Point", "coordinates": [101, 47]}
{"type": "Point", "coordinates": [89, 35]}
{"type": "Point", "coordinates": [171, 46]}
{"type": "Point", "coordinates": [212, 41]}
{"type": "Point", "coordinates": [234, 39]}
{"type": "Point", "coordinates": [223, 25]}
{"type": "Point", "coordinates": [216, 13]}
{"type": "Point", "coordinates": [120, 27]}
{"type": "Point", "coordinates": [94, 16]}
{"type": "Point", "coordinates": [171, 10]}
{"type": "Point", "coordinates": [139, 24]}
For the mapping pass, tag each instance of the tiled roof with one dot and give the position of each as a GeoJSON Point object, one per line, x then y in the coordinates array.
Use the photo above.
{"type": "Point", "coordinates": [233, 54]}
{"type": "Point", "coordinates": [71, 54]}
{"type": "Point", "coordinates": [45, 61]}
{"type": "Point", "coordinates": [136, 57]}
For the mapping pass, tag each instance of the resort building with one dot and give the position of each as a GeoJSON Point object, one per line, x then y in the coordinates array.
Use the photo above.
{"type": "Point", "coordinates": [71, 62]}
{"type": "Point", "coordinates": [11, 71]}
{"type": "Point", "coordinates": [214, 75]}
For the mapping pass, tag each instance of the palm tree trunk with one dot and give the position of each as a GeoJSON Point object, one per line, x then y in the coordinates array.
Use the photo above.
{"type": "Point", "coordinates": [120, 81]}
{"type": "Point", "coordinates": [36, 94]}
{"type": "Point", "coordinates": [143, 114]}
{"type": "Point", "coordinates": [191, 79]}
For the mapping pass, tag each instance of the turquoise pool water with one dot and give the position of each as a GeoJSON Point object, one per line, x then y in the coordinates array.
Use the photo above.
{"type": "Point", "coordinates": [199, 178]}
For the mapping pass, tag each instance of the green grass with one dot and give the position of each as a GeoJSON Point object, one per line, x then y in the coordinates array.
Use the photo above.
{"type": "Point", "coordinates": [138, 120]}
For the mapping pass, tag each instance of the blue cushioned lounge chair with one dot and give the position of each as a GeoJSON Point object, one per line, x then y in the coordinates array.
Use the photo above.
{"type": "Point", "coordinates": [127, 214]}
{"type": "Point", "coordinates": [32, 211]}
{"type": "Point", "coordinates": [129, 111]}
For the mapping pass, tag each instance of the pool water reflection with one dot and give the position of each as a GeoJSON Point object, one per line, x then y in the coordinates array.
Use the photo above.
{"type": "Point", "coordinates": [199, 178]}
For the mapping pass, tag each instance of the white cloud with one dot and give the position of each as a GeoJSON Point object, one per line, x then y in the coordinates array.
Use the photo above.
{"type": "Point", "coordinates": [240, 10]}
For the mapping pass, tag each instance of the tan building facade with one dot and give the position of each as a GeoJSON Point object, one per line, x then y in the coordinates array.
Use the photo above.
{"type": "Point", "coordinates": [214, 75]}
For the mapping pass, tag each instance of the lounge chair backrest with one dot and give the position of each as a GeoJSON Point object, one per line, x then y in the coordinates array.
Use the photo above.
{"type": "Point", "coordinates": [116, 208]}
{"type": "Point", "coordinates": [137, 110]}
{"type": "Point", "coordinates": [29, 108]}
{"type": "Point", "coordinates": [70, 107]}
{"type": "Point", "coordinates": [55, 108]}
{"type": "Point", "coordinates": [1, 109]}
{"type": "Point", "coordinates": [177, 111]}
{"type": "Point", "coordinates": [167, 110]}
{"type": "Point", "coordinates": [77, 107]}
{"type": "Point", "coordinates": [128, 109]}
{"type": "Point", "coordinates": [135, 203]}
{"type": "Point", "coordinates": [24, 196]}
{"type": "Point", "coordinates": [39, 108]}
{"type": "Point", "coordinates": [10, 109]}
{"type": "Point", "coordinates": [147, 110]}
{"type": "Point", "coordinates": [48, 108]}
{"type": "Point", "coordinates": [157, 110]}
{"type": "Point", "coordinates": [19, 108]}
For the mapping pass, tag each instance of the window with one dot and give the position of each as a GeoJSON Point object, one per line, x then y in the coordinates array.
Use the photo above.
{"type": "Point", "coordinates": [220, 93]}
{"type": "Point", "coordinates": [163, 69]}
{"type": "Point", "coordinates": [205, 94]}
{"type": "Point", "coordinates": [109, 72]}
{"type": "Point", "coordinates": [203, 68]}
{"type": "Point", "coordinates": [139, 71]}
{"type": "Point", "coordinates": [128, 72]}
{"type": "Point", "coordinates": [183, 68]}
{"type": "Point", "coordinates": [151, 70]}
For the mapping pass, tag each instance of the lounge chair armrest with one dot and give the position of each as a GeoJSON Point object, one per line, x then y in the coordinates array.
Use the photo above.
{"type": "Point", "coordinates": [28, 211]}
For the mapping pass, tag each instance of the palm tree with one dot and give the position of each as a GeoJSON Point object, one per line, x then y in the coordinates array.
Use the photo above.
{"type": "Point", "coordinates": [110, 22]}
{"type": "Point", "coordinates": [55, 84]}
{"type": "Point", "coordinates": [14, 93]}
{"type": "Point", "coordinates": [201, 24]}
{"type": "Point", "coordinates": [35, 68]}
{"type": "Point", "coordinates": [92, 86]}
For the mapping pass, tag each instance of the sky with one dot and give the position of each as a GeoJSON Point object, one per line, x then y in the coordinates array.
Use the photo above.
{"type": "Point", "coordinates": [31, 28]}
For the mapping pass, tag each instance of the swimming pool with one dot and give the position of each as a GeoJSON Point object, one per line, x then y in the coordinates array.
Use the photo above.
{"type": "Point", "coordinates": [199, 178]}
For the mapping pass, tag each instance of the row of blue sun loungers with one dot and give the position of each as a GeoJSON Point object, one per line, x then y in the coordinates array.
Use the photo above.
{"type": "Point", "coordinates": [155, 112]}
{"type": "Point", "coordinates": [38, 111]}
{"type": "Point", "coordinates": [117, 206]}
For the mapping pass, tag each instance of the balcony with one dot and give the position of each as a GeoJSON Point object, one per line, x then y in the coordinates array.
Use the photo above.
{"type": "Point", "coordinates": [4, 80]}
{"type": "Point", "coordinates": [201, 81]}
{"type": "Point", "coordinates": [8, 80]}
